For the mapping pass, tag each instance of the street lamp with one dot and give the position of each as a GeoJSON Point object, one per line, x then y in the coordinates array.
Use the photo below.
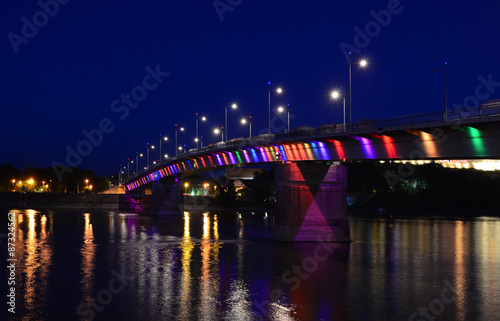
{"type": "Point", "coordinates": [165, 138]}
{"type": "Point", "coordinates": [278, 91]}
{"type": "Point", "coordinates": [233, 106]}
{"type": "Point", "coordinates": [137, 162]}
{"type": "Point", "coordinates": [445, 72]}
{"type": "Point", "coordinates": [336, 95]}
{"type": "Point", "coordinates": [244, 121]}
{"type": "Point", "coordinates": [176, 129]}
{"type": "Point", "coordinates": [281, 110]}
{"type": "Point", "coordinates": [203, 118]}
{"type": "Point", "coordinates": [217, 131]}
{"type": "Point", "coordinates": [363, 63]}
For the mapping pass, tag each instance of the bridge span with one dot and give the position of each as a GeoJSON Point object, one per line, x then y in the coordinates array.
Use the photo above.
{"type": "Point", "coordinates": [471, 133]}
{"type": "Point", "coordinates": [312, 193]}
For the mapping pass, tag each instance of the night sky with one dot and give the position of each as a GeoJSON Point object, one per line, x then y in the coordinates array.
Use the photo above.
{"type": "Point", "coordinates": [67, 71]}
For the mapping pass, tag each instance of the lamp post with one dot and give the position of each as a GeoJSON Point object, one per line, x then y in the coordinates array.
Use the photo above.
{"type": "Point", "coordinates": [217, 131]}
{"type": "Point", "coordinates": [283, 109]}
{"type": "Point", "coordinates": [445, 72]}
{"type": "Point", "coordinates": [233, 106]}
{"type": "Point", "coordinates": [336, 95]}
{"type": "Point", "coordinates": [137, 155]}
{"type": "Point", "coordinates": [176, 129]}
{"type": "Point", "coordinates": [278, 91]}
{"type": "Point", "coordinates": [165, 138]}
{"type": "Point", "coordinates": [203, 118]}
{"type": "Point", "coordinates": [244, 121]}
{"type": "Point", "coordinates": [363, 63]}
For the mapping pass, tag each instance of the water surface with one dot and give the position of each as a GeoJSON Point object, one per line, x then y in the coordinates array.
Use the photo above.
{"type": "Point", "coordinates": [214, 266]}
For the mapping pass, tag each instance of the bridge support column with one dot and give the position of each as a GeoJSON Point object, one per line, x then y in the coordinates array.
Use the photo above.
{"type": "Point", "coordinates": [166, 198]}
{"type": "Point", "coordinates": [312, 203]}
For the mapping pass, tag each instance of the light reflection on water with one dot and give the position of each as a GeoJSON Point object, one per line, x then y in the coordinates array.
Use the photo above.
{"type": "Point", "coordinates": [208, 266]}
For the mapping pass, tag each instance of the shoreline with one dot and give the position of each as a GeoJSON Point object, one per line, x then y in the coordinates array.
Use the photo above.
{"type": "Point", "coordinates": [125, 203]}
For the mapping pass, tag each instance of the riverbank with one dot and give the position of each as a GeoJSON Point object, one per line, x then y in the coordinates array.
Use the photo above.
{"type": "Point", "coordinates": [68, 201]}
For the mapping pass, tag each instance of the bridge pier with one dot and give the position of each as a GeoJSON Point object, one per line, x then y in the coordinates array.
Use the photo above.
{"type": "Point", "coordinates": [166, 197]}
{"type": "Point", "coordinates": [312, 203]}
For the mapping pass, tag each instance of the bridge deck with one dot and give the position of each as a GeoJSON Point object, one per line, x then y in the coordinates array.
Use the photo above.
{"type": "Point", "coordinates": [389, 138]}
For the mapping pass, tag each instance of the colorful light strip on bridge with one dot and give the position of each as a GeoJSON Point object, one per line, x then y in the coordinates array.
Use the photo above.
{"type": "Point", "coordinates": [419, 143]}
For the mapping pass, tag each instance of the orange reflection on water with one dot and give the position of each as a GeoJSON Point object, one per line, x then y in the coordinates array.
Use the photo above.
{"type": "Point", "coordinates": [31, 259]}
{"type": "Point", "coordinates": [186, 247]}
{"type": "Point", "coordinates": [460, 276]}
{"type": "Point", "coordinates": [208, 284]}
{"type": "Point", "coordinates": [88, 259]}
{"type": "Point", "coordinates": [38, 259]}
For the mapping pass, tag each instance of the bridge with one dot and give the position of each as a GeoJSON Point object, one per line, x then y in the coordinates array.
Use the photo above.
{"type": "Point", "coordinates": [315, 190]}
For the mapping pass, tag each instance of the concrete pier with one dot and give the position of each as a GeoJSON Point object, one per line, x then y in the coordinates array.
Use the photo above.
{"type": "Point", "coordinates": [166, 197]}
{"type": "Point", "coordinates": [312, 203]}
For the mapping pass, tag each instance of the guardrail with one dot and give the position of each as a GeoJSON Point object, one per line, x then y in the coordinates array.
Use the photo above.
{"type": "Point", "coordinates": [479, 113]}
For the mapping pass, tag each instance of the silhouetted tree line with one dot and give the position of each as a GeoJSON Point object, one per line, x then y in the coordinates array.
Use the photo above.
{"type": "Point", "coordinates": [73, 179]}
{"type": "Point", "coordinates": [423, 187]}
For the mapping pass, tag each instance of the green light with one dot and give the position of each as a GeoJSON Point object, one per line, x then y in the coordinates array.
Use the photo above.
{"type": "Point", "coordinates": [477, 141]}
{"type": "Point", "coordinates": [239, 157]}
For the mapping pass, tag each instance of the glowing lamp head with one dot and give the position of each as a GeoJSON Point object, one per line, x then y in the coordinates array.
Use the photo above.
{"type": "Point", "coordinates": [363, 63]}
{"type": "Point", "coordinates": [216, 131]}
{"type": "Point", "coordinates": [234, 106]}
{"type": "Point", "coordinates": [165, 138]}
{"type": "Point", "coordinates": [182, 129]}
{"type": "Point", "coordinates": [335, 94]}
{"type": "Point", "coordinates": [281, 109]}
{"type": "Point", "coordinates": [243, 121]}
{"type": "Point", "coordinates": [203, 118]}
{"type": "Point", "coordinates": [279, 90]}
{"type": "Point", "coordinates": [180, 147]}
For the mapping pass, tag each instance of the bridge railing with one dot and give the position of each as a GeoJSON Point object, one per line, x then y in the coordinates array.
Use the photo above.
{"type": "Point", "coordinates": [452, 117]}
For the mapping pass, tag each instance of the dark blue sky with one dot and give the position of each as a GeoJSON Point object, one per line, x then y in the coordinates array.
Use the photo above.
{"type": "Point", "coordinates": [68, 72]}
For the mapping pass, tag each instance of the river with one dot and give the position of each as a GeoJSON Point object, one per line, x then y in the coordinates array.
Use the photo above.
{"type": "Point", "coordinates": [225, 266]}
